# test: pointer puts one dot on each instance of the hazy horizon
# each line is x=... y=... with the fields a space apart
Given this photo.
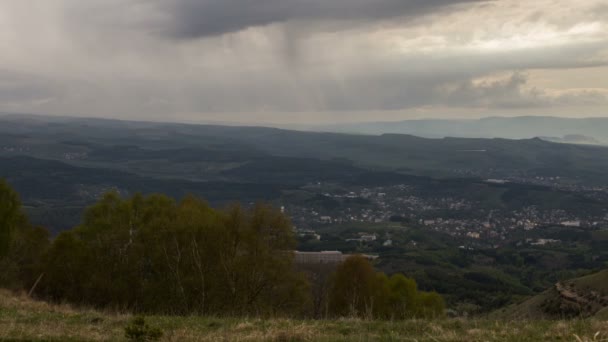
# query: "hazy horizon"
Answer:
x=296 y=125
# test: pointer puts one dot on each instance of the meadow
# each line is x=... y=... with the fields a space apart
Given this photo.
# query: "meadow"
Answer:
x=24 y=319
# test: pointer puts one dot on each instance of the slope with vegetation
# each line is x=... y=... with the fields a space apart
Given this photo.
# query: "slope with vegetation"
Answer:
x=575 y=298
x=473 y=275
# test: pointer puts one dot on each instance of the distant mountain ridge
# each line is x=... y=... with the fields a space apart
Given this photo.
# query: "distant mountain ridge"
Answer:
x=587 y=131
x=523 y=127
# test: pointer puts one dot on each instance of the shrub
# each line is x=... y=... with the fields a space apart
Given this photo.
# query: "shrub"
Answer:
x=138 y=330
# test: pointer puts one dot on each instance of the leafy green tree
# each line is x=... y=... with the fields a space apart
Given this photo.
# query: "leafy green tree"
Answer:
x=256 y=260
x=319 y=277
x=23 y=266
x=21 y=245
x=357 y=290
x=430 y=305
x=152 y=254
x=68 y=269
x=11 y=216
x=403 y=296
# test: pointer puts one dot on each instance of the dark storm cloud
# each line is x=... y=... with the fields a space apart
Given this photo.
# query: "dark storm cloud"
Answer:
x=203 y=18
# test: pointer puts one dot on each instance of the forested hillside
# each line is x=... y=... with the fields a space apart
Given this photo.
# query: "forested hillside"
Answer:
x=216 y=148
x=155 y=255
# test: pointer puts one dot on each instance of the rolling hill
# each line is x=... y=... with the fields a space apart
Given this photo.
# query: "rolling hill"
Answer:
x=204 y=151
x=580 y=297
x=61 y=165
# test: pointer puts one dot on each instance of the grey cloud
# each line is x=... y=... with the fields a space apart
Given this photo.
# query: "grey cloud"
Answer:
x=22 y=88
x=600 y=10
x=203 y=18
x=513 y=93
x=424 y=82
x=582 y=97
x=503 y=93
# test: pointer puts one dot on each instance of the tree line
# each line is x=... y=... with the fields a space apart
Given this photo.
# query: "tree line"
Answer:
x=152 y=254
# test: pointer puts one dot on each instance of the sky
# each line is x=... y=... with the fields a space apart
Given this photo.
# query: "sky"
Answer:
x=303 y=61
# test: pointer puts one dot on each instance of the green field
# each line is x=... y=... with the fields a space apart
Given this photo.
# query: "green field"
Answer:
x=23 y=319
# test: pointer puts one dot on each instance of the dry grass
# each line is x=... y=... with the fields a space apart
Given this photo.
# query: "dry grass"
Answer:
x=23 y=319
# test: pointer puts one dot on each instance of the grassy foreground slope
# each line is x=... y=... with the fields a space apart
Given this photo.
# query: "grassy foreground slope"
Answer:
x=22 y=319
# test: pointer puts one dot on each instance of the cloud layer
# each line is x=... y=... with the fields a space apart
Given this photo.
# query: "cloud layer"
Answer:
x=331 y=59
x=204 y=18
